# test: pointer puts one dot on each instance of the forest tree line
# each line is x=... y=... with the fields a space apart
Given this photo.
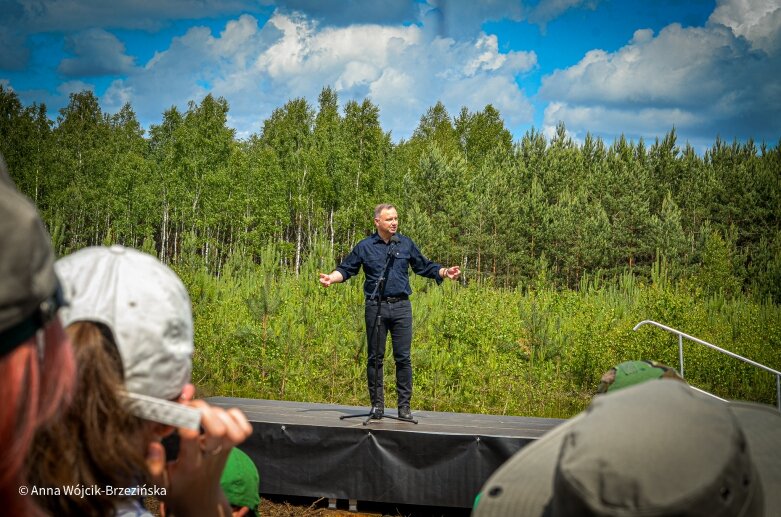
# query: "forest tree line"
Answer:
x=511 y=213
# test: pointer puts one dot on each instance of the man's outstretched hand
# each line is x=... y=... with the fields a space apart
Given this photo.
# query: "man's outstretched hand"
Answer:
x=325 y=280
x=333 y=278
x=453 y=272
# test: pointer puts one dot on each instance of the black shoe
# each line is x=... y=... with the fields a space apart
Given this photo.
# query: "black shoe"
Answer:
x=377 y=412
x=405 y=413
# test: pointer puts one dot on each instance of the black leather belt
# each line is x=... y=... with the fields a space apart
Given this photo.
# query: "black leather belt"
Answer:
x=394 y=299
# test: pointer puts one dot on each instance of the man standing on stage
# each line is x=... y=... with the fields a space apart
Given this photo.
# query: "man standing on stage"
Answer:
x=400 y=253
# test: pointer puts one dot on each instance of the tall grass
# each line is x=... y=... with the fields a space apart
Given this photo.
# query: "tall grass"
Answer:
x=262 y=332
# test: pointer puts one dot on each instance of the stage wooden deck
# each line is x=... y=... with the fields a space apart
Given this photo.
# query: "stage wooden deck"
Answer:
x=304 y=449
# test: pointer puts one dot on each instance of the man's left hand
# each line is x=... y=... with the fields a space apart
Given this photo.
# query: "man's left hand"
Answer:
x=453 y=272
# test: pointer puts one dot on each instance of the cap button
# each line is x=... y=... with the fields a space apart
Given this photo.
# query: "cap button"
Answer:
x=116 y=248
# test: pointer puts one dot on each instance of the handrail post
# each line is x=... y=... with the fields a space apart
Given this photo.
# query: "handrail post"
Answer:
x=778 y=391
x=680 y=353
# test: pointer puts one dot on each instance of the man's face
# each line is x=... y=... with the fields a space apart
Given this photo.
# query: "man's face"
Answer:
x=387 y=223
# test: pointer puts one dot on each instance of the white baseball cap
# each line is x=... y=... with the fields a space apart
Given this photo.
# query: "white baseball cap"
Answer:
x=147 y=309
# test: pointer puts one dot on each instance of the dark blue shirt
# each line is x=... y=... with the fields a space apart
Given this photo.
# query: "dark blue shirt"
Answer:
x=372 y=252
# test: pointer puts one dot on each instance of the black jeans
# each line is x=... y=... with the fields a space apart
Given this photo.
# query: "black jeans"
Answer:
x=396 y=318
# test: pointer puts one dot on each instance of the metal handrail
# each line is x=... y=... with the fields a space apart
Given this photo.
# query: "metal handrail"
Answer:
x=682 y=335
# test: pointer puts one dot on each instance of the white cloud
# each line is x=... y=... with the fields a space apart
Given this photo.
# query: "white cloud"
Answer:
x=257 y=69
x=605 y=120
x=456 y=19
x=356 y=74
x=756 y=20
x=75 y=86
x=489 y=59
x=117 y=95
x=19 y=19
x=702 y=80
x=97 y=53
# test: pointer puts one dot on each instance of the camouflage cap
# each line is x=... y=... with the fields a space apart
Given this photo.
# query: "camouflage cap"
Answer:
x=28 y=285
x=630 y=373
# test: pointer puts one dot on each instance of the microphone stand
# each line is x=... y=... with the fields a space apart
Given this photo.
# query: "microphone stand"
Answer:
x=379 y=291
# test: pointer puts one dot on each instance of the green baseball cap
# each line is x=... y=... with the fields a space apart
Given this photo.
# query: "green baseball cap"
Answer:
x=654 y=449
x=630 y=373
x=240 y=480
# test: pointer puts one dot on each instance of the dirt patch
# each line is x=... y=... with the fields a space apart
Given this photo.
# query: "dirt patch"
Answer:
x=279 y=506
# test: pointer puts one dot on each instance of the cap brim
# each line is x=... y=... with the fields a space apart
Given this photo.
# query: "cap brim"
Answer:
x=163 y=411
x=523 y=485
x=761 y=425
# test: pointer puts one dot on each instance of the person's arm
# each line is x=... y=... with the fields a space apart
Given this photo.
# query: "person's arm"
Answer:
x=430 y=269
x=334 y=277
x=349 y=267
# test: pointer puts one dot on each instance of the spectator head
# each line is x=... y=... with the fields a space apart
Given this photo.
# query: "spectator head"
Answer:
x=658 y=448
x=130 y=323
x=630 y=373
x=146 y=310
x=241 y=483
x=36 y=362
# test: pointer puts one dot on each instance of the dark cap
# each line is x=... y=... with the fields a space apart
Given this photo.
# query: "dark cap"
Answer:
x=27 y=279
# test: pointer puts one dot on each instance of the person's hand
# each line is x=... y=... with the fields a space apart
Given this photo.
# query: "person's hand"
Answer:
x=453 y=272
x=188 y=393
x=325 y=280
x=192 y=481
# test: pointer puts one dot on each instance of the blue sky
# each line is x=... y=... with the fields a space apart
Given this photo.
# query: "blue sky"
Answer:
x=706 y=67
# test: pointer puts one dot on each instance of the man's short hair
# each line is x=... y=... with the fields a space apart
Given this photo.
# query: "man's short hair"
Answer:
x=384 y=206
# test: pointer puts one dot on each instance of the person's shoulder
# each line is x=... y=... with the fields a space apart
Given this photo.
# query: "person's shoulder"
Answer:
x=407 y=241
x=369 y=239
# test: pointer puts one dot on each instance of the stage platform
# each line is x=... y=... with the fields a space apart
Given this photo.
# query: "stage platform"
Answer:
x=304 y=449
